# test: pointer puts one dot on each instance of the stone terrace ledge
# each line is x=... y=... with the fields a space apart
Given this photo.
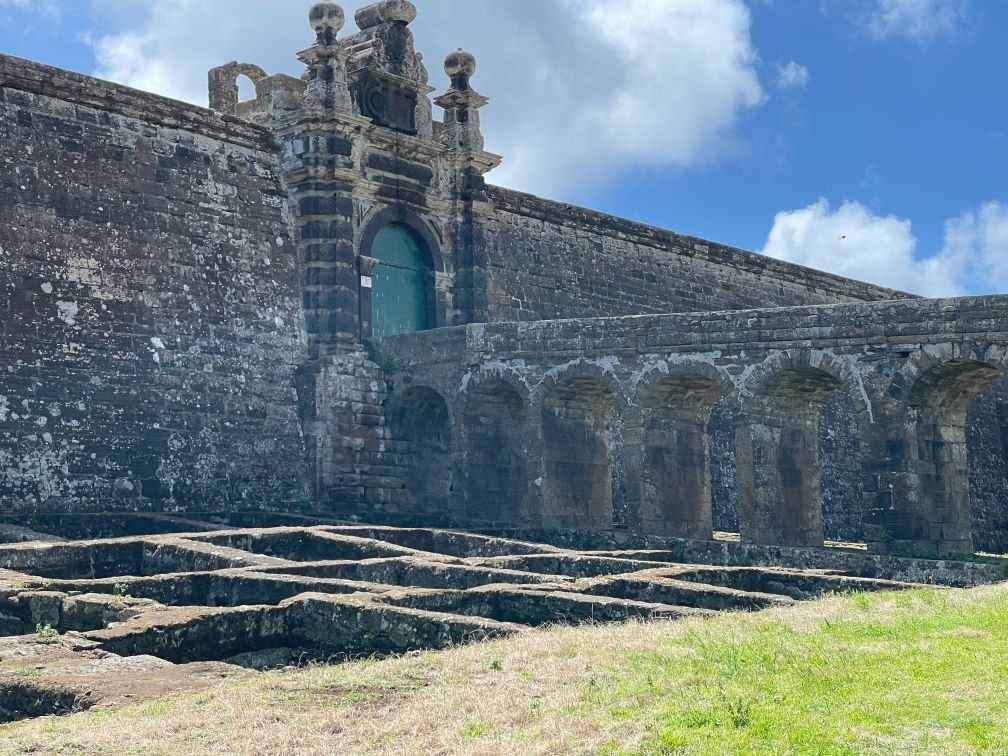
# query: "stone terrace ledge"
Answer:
x=896 y=325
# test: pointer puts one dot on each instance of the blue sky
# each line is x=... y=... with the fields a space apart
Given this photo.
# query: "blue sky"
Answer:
x=868 y=137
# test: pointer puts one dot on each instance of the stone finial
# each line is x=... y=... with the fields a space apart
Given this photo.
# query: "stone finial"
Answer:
x=326 y=19
x=386 y=12
x=460 y=67
x=326 y=77
x=461 y=105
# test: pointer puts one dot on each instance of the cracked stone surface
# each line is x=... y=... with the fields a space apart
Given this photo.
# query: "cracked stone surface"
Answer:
x=142 y=616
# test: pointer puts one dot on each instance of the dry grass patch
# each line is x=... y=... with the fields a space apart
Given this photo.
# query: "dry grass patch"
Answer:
x=917 y=672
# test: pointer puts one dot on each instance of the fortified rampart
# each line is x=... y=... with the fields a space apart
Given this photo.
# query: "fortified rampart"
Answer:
x=313 y=299
x=151 y=311
x=546 y=260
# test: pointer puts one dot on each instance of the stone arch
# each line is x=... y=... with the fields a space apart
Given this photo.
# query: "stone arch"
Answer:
x=778 y=441
x=938 y=389
x=419 y=445
x=681 y=376
x=394 y=284
x=576 y=371
x=668 y=455
x=495 y=438
x=578 y=408
x=223 y=84
x=843 y=372
x=499 y=373
x=380 y=217
x=932 y=356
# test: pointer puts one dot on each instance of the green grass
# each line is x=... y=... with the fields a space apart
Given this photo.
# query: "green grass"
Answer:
x=474 y=730
x=916 y=672
x=930 y=679
x=46 y=633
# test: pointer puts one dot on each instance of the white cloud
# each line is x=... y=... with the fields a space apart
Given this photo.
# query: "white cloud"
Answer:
x=853 y=241
x=792 y=76
x=580 y=89
x=685 y=70
x=47 y=9
x=978 y=241
x=168 y=48
x=916 y=20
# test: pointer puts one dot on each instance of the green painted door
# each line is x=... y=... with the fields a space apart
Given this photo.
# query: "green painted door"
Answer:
x=399 y=293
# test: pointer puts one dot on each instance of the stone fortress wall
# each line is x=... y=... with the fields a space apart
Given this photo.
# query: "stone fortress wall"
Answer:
x=151 y=321
x=196 y=304
x=545 y=260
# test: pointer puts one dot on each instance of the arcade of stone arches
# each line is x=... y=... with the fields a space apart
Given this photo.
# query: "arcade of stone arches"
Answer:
x=804 y=457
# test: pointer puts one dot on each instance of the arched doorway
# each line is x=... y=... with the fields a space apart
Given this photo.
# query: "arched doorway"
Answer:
x=674 y=460
x=400 y=297
x=496 y=470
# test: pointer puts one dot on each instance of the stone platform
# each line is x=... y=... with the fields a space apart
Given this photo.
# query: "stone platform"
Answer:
x=146 y=614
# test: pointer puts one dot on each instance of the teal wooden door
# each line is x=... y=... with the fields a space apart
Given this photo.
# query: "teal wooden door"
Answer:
x=399 y=293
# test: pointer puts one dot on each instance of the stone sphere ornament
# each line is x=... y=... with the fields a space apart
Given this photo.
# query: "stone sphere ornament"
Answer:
x=325 y=17
x=460 y=63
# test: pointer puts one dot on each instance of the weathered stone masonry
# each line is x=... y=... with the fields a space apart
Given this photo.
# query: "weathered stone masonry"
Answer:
x=199 y=306
x=151 y=323
x=611 y=416
x=546 y=260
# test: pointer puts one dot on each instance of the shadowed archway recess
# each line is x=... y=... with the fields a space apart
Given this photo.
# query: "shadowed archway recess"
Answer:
x=420 y=436
x=577 y=443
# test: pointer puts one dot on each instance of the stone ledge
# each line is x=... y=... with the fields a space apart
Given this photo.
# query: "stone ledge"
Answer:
x=38 y=79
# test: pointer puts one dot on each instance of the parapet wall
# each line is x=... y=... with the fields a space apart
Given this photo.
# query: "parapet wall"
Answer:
x=151 y=322
x=546 y=260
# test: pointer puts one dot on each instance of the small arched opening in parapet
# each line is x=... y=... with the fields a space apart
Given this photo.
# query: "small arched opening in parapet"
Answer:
x=673 y=448
x=938 y=407
x=246 y=89
x=578 y=424
x=779 y=450
x=495 y=450
x=234 y=85
x=419 y=448
x=398 y=286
